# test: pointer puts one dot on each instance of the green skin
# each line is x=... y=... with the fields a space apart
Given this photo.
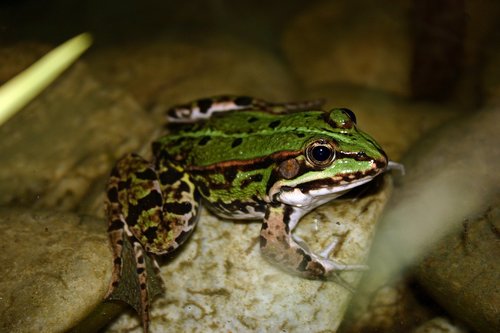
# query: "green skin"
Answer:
x=243 y=158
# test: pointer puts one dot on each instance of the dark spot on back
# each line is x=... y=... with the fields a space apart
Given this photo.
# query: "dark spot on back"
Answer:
x=204 y=141
x=204 y=104
x=252 y=119
x=243 y=101
x=236 y=142
x=274 y=124
x=300 y=135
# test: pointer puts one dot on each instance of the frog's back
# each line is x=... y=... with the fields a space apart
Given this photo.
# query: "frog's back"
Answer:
x=245 y=135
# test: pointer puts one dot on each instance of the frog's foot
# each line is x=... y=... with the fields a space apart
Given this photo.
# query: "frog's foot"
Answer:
x=289 y=252
x=396 y=166
x=204 y=108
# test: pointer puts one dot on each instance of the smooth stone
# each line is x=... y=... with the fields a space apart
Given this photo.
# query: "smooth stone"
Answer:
x=462 y=272
x=55 y=269
x=357 y=42
x=440 y=325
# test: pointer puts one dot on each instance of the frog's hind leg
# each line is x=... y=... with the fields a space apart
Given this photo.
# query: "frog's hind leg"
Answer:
x=279 y=246
x=119 y=209
x=204 y=108
x=116 y=230
x=156 y=208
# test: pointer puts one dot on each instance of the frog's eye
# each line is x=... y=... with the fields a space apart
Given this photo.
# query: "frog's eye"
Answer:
x=350 y=114
x=320 y=153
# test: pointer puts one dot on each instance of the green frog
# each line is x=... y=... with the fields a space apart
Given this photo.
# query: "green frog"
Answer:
x=242 y=158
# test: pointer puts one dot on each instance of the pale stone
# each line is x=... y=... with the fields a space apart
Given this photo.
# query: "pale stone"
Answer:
x=55 y=269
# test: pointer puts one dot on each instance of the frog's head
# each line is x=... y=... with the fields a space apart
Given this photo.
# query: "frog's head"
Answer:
x=335 y=157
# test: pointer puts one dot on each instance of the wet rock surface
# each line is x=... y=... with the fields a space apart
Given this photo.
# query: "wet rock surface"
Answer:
x=462 y=271
x=55 y=269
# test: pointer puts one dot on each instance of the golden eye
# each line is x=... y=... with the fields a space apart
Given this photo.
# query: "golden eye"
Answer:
x=320 y=153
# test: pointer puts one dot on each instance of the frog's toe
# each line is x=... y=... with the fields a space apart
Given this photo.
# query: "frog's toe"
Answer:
x=330 y=248
x=331 y=265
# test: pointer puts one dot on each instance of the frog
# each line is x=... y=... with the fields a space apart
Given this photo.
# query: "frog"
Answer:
x=242 y=158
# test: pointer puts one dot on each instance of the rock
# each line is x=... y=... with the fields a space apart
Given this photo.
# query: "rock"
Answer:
x=162 y=72
x=439 y=325
x=55 y=269
x=461 y=272
x=357 y=42
x=58 y=146
x=219 y=281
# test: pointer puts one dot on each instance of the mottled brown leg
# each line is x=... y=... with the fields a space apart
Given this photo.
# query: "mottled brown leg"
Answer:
x=143 y=277
x=115 y=229
x=278 y=245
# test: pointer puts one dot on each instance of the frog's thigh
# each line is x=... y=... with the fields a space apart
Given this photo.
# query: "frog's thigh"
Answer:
x=180 y=210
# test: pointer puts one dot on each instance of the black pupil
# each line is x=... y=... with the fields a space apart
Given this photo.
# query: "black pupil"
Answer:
x=321 y=153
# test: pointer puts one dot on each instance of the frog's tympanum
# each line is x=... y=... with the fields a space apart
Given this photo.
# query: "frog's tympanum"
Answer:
x=242 y=158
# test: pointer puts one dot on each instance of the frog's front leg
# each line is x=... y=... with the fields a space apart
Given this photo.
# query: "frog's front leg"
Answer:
x=279 y=246
x=156 y=206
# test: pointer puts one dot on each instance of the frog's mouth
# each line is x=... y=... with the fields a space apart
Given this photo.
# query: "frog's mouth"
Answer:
x=316 y=192
x=313 y=196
